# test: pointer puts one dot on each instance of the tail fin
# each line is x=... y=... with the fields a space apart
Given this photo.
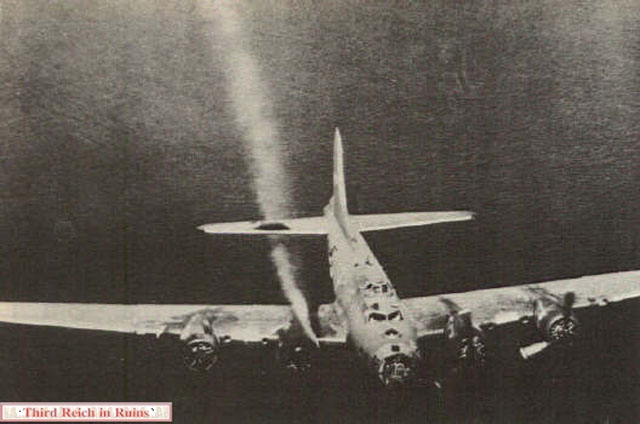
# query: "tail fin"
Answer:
x=339 y=188
x=338 y=203
x=338 y=207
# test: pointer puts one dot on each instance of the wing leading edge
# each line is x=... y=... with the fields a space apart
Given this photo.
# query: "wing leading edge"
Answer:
x=255 y=323
x=506 y=305
x=239 y=322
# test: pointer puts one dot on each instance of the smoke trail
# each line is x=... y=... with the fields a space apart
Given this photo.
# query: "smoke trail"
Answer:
x=254 y=116
x=286 y=273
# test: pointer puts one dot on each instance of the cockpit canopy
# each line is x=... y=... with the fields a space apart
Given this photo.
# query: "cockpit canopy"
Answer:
x=375 y=287
x=378 y=316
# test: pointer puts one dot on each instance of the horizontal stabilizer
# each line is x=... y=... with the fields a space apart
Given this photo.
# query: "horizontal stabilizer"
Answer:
x=317 y=225
x=295 y=226
x=389 y=221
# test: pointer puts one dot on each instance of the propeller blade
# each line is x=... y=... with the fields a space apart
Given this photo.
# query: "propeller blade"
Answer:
x=569 y=300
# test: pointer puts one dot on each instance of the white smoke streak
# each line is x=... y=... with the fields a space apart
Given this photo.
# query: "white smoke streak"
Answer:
x=254 y=116
x=286 y=273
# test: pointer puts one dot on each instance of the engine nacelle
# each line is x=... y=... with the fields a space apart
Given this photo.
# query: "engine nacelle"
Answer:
x=556 y=324
x=295 y=358
x=466 y=341
x=295 y=353
x=201 y=345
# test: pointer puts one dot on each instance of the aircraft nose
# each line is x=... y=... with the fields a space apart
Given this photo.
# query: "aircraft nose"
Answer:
x=395 y=370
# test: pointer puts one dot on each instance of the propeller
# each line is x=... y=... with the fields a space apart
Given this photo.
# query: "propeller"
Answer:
x=295 y=351
x=569 y=300
x=555 y=322
x=201 y=345
x=467 y=341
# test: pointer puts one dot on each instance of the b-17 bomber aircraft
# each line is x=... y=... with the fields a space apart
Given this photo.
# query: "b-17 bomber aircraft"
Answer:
x=394 y=338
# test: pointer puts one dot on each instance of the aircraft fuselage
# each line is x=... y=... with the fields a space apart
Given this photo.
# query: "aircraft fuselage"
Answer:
x=379 y=327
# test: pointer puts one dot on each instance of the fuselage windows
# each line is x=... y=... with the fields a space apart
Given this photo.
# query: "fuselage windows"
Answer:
x=375 y=288
x=392 y=333
x=395 y=316
x=376 y=316
x=380 y=288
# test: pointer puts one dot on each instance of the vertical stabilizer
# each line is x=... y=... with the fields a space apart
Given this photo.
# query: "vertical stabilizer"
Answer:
x=336 y=209
x=339 y=189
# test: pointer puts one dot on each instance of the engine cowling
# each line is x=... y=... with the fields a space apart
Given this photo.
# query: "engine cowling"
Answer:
x=295 y=358
x=295 y=353
x=201 y=344
x=467 y=342
x=556 y=324
x=556 y=321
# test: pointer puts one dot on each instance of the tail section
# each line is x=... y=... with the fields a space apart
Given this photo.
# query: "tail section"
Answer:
x=337 y=207
x=338 y=204
x=389 y=221
x=339 y=198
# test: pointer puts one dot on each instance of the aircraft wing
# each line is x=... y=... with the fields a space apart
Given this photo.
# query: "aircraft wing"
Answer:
x=508 y=305
x=246 y=323
x=232 y=323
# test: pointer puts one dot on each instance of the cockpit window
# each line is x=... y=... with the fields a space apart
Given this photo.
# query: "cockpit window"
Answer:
x=376 y=316
x=380 y=288
x=392 y=333
x=395 y=316
x=375 y=288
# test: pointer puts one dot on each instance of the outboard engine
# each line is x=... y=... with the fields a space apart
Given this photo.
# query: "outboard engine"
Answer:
x=555 y=321
x=201 y=345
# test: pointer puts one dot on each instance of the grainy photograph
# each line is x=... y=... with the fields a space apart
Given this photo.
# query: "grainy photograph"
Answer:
x=321 y=212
